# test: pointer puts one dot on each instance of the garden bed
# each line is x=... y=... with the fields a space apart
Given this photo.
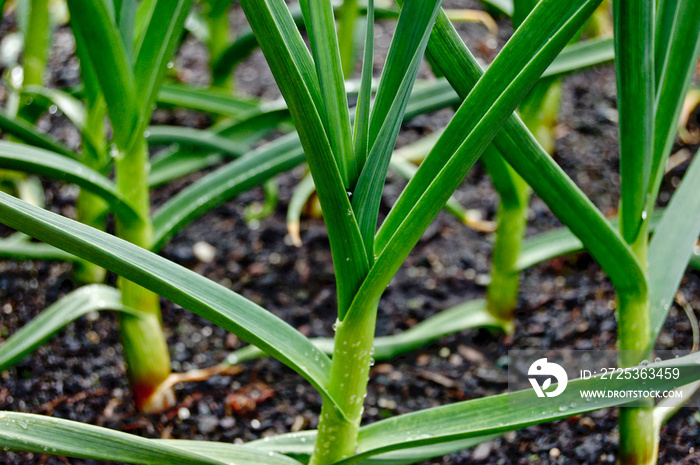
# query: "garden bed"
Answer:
x=565 y=303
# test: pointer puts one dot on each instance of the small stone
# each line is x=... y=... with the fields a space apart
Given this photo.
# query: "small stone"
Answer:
x=204 y=252
x=183 y=413
x=299 y=423
x=482 y=451
x=554 y=452
x=470 y=354
x=207 y=423
x=383 y=402
x=227 y=422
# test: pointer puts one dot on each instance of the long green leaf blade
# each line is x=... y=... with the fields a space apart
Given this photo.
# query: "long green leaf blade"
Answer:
x=467 y=315
x=672 y=246
x=413 y=21
x=288 y=57
x=497 y=94
x=582 y=55
x=41 y=162
x=33 y=136
x=406 y=43
x=676 y=76
x=266 y=161
x=634 y=61
x=24 y=249
x=155 y=49
x=195 y=139
x=46 y=435
x=180 y=285
x=108 y=58
x=361 y=130
x=334 y=112
x=243 y=454
x=64 y=311
x=209 y=100
x=493 y=415
x=300 y=445
x=532 y=162
x=219 y=186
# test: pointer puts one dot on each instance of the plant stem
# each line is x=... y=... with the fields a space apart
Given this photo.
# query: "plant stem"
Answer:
x=346 y=35
x=219 y=36
x=33 y=67
x=35 y=43
x=352 y=358
x=502 y=292
x=91 y=209
x=145 y=349
x=539 y=111
x=639 y=436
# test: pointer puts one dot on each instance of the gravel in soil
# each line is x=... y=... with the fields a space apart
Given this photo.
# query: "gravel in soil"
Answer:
x=566 y=303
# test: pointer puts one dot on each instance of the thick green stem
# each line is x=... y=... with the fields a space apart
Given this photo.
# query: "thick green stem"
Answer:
x=91 y=209
x=639 y=436
x=36 y=41
x=502 y=292
x=352 y=358
x=346 y=35
x=33 y=67
x=145 y=349
x=219 y=37
x=539 y=111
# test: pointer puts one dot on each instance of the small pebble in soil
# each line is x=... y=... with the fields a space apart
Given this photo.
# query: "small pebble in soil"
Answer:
x=183 y=413
x=204 y=252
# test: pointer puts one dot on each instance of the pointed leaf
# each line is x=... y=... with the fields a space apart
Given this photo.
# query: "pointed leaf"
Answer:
x=33 y=136
x=209 y=100
x=334 y=111
x=45 y=435
x=676 y=75
x=496 y=95
x=634 y=62
x=289 y=60
x=539 y=170
x=219 y=186
x=413 y=22
x=57 y=316
x=41 y=162
x=155 y=49
x=194 y=138
x=180 y=285
x=672 y=246
x=108 y=58
x=494 y=415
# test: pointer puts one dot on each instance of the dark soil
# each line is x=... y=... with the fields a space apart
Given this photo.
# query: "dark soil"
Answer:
x=566 y=303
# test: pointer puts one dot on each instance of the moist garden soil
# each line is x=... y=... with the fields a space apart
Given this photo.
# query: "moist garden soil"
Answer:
x=565 y=303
